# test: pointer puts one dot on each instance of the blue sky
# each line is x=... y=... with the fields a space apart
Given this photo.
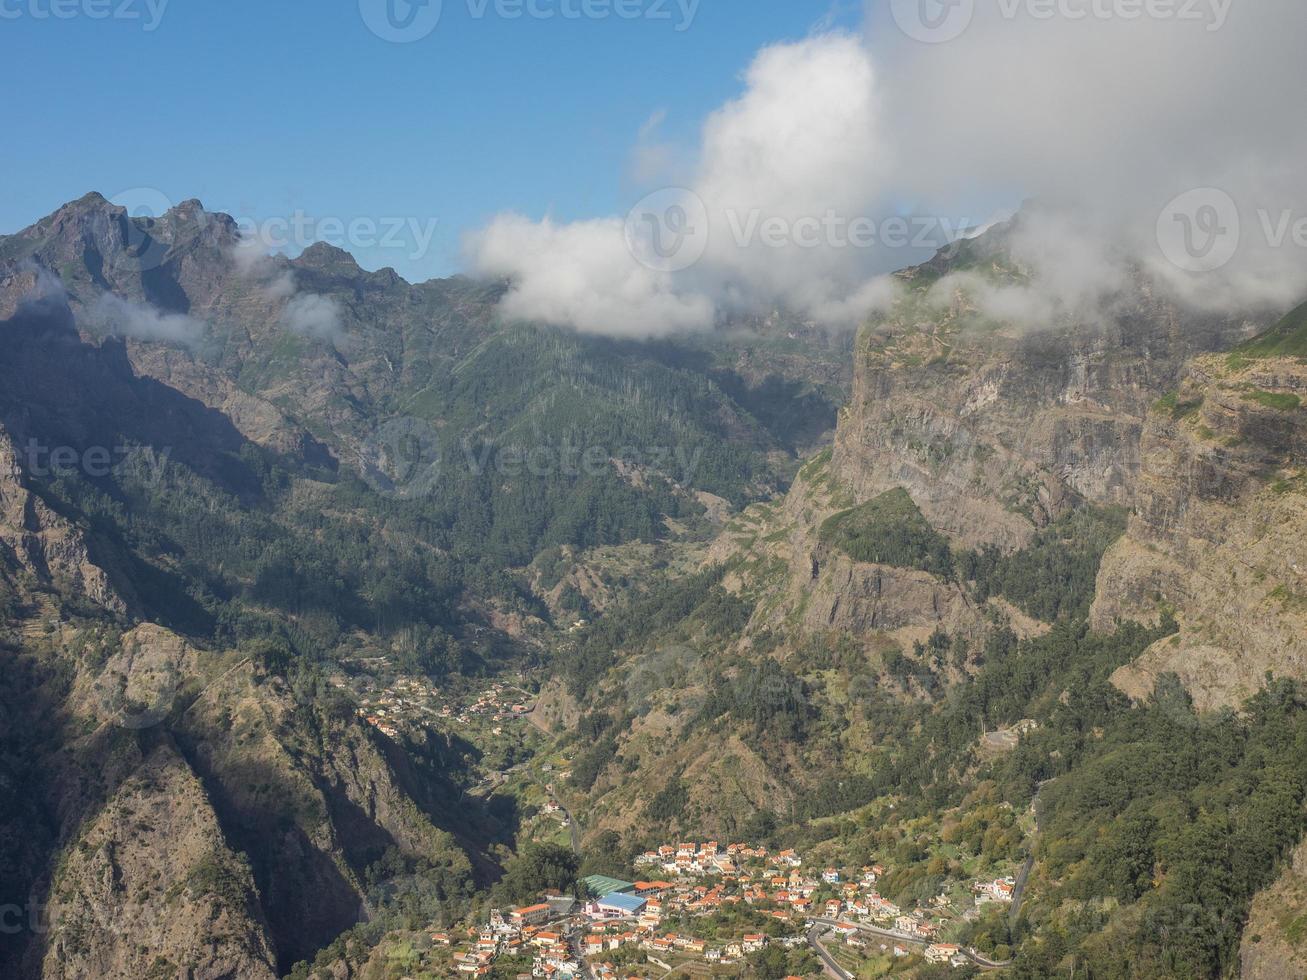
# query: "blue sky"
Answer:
x=263 y=109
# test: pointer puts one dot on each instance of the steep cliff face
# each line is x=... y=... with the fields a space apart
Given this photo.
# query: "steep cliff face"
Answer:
x=150 y=888
x=205 y=817
x=313 y=799
x=36 y=540
x=807 y=587
x=1219 y=533
x=994 y=428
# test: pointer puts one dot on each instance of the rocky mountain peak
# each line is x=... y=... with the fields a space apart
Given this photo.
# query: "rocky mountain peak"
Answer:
x=325 y=257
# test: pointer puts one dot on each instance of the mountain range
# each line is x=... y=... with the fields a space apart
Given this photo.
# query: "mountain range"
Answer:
x=763 y=581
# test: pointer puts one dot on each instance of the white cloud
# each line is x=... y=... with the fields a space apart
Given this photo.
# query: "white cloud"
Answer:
x=280 y=286
x=47 y=289
x=251 y=255
x=124 y=318
x=314 y=316
x=1104 y=120
x=307 y=314
x=797 y=144
x=582 y=275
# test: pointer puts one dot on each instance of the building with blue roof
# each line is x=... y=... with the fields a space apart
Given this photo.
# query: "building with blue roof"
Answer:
x=616 y=906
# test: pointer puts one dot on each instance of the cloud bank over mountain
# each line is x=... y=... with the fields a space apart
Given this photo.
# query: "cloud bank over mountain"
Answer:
x=845 y=157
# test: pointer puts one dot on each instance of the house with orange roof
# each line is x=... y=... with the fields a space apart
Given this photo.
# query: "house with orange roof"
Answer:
x=531 y=915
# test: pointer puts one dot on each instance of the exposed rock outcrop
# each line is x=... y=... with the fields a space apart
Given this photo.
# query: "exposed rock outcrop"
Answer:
x=40 y=542
x=995 y=429
x=1219 y=534
x=152 y=889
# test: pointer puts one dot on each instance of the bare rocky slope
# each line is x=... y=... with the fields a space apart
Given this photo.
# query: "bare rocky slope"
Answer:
x=996 y=428
x=1219 y=532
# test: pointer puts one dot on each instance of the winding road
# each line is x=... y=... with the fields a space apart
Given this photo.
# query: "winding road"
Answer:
x=828 y=962
x=976 y=958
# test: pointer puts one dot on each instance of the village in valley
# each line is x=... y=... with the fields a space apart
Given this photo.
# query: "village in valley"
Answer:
x=699 y=909
x=707 y=908
x=413 y=702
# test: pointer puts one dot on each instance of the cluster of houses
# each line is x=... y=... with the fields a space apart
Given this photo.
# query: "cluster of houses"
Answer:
x=518 y=932
x=565 y=939
x=712 y=859
x=554 y=808
x=497 y=704
x=410 y=700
